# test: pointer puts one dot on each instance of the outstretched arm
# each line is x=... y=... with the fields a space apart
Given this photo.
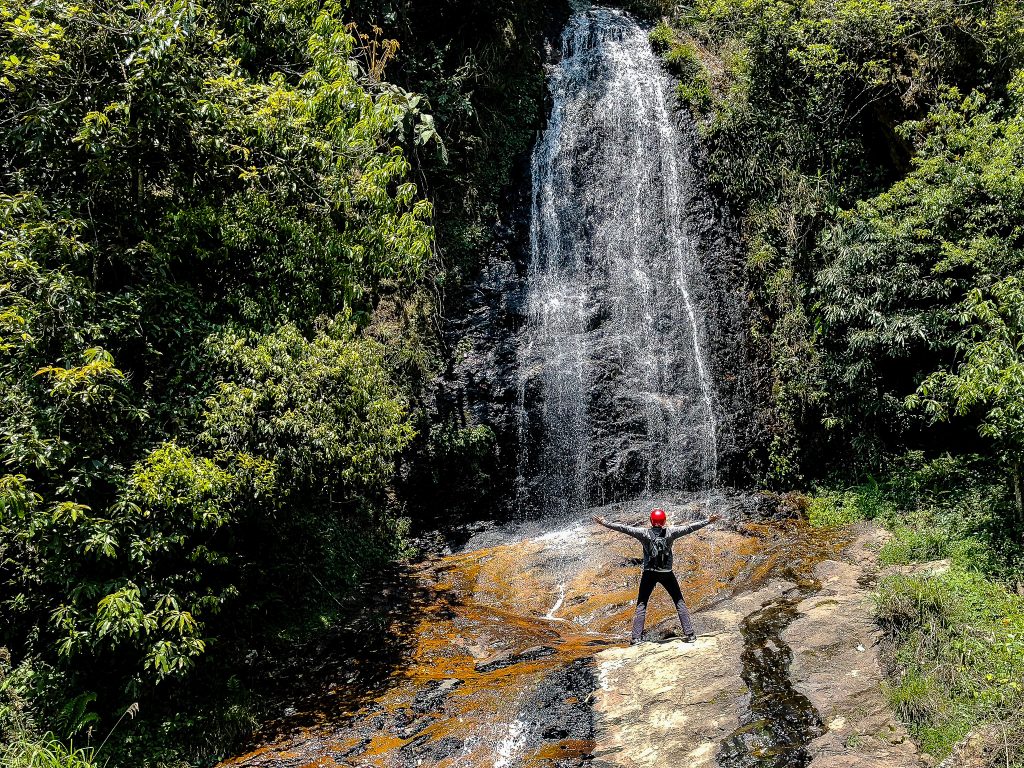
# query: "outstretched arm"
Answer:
x=629 y=530
x=681 y=530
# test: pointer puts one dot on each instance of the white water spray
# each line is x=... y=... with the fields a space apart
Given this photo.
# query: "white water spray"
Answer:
x=616 y=393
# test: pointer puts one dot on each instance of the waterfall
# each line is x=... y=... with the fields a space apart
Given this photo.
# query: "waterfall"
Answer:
x=616 y=395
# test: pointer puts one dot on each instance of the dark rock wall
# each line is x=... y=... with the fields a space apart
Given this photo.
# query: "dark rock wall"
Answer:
x=484 y=336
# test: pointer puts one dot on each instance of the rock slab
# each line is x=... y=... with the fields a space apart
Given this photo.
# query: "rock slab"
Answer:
x=835 y=643
x=673 y=704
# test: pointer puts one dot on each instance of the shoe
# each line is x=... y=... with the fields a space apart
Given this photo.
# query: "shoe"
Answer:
x=635 y=642
x=690 y=638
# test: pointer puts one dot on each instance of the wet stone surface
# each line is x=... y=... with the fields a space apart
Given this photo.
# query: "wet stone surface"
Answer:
x=780 y=722
x=493 y=656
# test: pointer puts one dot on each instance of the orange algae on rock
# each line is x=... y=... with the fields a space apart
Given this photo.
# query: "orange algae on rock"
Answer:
x=496 y=631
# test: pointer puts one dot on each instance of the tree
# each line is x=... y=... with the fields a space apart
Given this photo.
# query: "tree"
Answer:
x=988 y=378
x=191 y=251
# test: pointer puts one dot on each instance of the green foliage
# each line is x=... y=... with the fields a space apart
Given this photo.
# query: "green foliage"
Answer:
x=810 y=112
x=49 y=753
x=959 y=651
x=196 y=229
x=460 y=471
x=683 y=62
x=949 y=507
x=297 y=423
x=990 y=375
x=920 y=539
x=956 y=507
x=650 y=9
x=148 y=607
x=834 y=510
x=15 y=714
x=323 y=413
x=661 y=36
x=479 y=64
x=925 y=274
x=830 y=508
x=21 y=744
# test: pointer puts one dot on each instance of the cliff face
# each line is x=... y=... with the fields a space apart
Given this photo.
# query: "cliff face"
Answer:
x=605 y=338
x=483 y=384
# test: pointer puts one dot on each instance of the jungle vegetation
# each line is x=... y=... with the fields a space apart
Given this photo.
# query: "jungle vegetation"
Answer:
x=221 y=273
x=230 y=233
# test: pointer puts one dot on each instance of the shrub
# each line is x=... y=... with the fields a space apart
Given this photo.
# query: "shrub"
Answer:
x=682 y=61
x=829 y=509
x=662 y=37
x=926 y=541
x=957 y=648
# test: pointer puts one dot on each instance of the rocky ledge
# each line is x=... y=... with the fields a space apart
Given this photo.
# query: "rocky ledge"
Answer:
x=809 y=648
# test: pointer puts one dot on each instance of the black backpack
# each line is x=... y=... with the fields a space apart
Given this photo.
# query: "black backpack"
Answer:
x=661 y=552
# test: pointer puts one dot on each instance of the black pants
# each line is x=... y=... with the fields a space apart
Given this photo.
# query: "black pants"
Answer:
x=668 y=580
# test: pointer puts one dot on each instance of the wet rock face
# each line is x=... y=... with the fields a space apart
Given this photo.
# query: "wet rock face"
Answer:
x=495 y=649
x=780 y=721
x=596 y=297
x=480 y=385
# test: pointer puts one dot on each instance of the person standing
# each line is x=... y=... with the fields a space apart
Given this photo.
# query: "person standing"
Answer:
x=657 y=569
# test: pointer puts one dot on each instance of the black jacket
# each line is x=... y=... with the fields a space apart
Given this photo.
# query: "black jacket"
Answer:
x=657 y=542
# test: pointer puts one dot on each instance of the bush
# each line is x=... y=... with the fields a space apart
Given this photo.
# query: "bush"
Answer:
x=695 y=94
x=177 y=399
x=958 y=656
x=681 y=59
x=952 y=506
x=662 y=36
x=830 y=509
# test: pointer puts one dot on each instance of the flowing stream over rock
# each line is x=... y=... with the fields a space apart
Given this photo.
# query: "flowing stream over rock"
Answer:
x=508 y=651
x=459 y=662
x=616 y=398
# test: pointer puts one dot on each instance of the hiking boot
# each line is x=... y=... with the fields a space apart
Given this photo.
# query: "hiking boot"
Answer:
x=635 y=641
x=690 y=638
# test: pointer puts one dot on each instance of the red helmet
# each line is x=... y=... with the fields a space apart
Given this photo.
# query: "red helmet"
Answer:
x=658 y=517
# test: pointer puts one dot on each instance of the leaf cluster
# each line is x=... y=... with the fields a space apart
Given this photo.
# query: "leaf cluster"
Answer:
x=195 y=422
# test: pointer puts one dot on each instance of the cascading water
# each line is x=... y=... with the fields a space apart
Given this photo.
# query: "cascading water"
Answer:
x=616 y=395
x=486 y=657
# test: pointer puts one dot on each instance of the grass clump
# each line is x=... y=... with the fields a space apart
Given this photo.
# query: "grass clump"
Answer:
x=832 y=510
x=925 y=541
x=22 y=743
x=835 y=508
x=957 y=651
x=47 y=753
